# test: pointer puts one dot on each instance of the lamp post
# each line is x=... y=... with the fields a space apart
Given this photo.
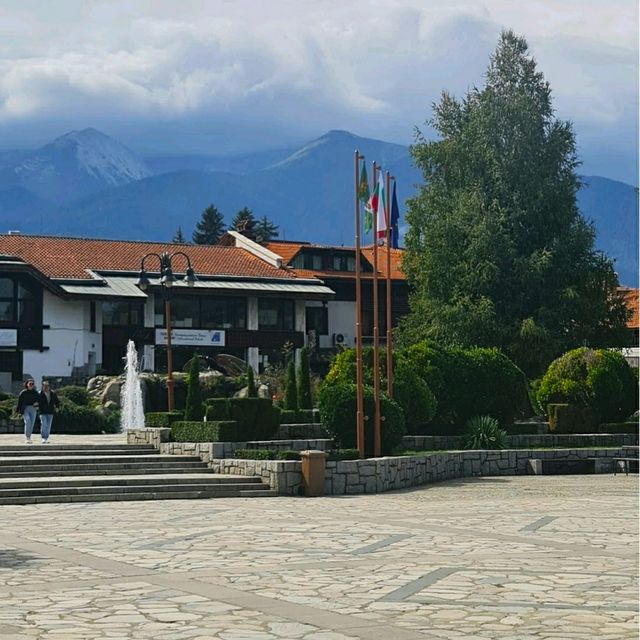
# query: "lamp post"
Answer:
x=167 y=280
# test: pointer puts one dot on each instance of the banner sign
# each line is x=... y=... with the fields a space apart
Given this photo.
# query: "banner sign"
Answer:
x=192 y=337
x=8 y=337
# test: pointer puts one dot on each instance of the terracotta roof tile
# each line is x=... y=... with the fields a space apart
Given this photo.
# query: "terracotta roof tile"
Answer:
x=288 y=251
x=631 y=300
x=71 y=257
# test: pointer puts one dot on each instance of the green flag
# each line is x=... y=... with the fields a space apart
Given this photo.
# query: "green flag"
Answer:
x=364 y=196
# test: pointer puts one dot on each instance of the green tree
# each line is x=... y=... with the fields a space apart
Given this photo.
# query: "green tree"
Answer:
x=179 y=238
x=290 y=388
x=193 y=406
x=210 y=227
x=252 y=392
x=265 y=230
x=497 y=252
x=244 y=222
x=304 y=381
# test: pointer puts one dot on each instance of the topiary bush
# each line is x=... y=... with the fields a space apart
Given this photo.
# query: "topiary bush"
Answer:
x=162 y=418
x=337 y=404
x=77 y=395
x=291 y=389
x=571 y=418
x=252 y=392
x=193 y=405
x=304 y=381
x=257 y=418
x=414 y=396
x=197 y=431
x=483 y=432
x=599 y=379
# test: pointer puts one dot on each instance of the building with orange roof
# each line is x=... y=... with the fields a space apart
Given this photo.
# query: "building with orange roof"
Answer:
x=631 y=299
x=331 y=323
x=68 y=306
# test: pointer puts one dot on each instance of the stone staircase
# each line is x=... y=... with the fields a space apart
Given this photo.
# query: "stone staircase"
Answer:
x=95 y=473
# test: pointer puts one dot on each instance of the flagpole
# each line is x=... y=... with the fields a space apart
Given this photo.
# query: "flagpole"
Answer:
x=389 y=345
x=359 y=381
x=376 y=337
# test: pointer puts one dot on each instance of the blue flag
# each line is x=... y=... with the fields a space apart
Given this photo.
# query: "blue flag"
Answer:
x=395 y=219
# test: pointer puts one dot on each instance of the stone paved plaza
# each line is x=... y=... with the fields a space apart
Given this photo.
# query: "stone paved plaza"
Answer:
x=513 y=558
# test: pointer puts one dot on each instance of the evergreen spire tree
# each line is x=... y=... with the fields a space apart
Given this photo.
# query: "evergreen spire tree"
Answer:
x=304 y=381
x=497 y=252
x=179 y=238
x=265 y=230
x=210 y=227
x=244 y=222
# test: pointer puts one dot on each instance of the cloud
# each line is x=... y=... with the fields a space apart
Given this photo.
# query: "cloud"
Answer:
x=373 y=66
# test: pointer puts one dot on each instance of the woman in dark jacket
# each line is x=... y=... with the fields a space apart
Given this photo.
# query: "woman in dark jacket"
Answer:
x=47 y=404
x=27 y=407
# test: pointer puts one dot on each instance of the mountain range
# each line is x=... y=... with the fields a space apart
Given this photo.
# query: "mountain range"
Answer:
x=88 y=184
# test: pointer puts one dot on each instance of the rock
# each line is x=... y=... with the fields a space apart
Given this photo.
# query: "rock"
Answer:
x=263 y=391
x=109 y=405
x=111 y=392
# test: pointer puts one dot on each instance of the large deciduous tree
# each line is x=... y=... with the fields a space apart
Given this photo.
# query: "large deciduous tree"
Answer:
x=497 y=252
x=210 y=227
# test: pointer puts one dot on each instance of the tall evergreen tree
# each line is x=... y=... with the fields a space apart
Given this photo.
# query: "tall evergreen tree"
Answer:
x=304 y=381
x=497 y=252
x=265 y=230
x=291 y=388
x=193 y=407
x=210 y=227
x=179 y=238
x=244 y=222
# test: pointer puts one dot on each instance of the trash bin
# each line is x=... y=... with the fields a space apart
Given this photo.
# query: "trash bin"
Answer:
x=313 y=463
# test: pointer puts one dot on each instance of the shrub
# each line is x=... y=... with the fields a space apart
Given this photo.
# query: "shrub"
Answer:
x=5 y=396
x=469 y=382
x=7 y=408
x=525 y=429
x=291 y=390
x=343 y=454
x=77 y=395
x=73 y=418
x=570 y=418
x=257 y=418
x=301 y=416
x=598 y=379
x=484 y=432
x=162 y=418
x=414 y=396
x=196 y=431
x=266 y=454
x=193 y=406
x=337 y=403
x=252 y=392
x=304 y=381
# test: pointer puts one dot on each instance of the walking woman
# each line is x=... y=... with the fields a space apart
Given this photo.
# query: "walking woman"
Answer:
x=47 y=404
x=27 y=407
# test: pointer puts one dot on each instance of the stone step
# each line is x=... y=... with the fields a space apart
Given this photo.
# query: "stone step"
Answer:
x=101 y=469
x=38 y=446
x=26 y=492
x=114 y=480
x=38 y=461
x=151 y=495
x=53 y=451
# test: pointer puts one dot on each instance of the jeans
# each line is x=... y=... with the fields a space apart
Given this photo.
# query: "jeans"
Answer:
x=29 y=417
x=45 y=425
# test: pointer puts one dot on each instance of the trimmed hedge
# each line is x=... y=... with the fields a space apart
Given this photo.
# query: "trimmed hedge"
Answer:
x=301 y=416
x=414 y=396
x=257 y=418
x=162 y=418
x=266 y=454
x=214 y=431
x=343 y=454
x=522 y=429
x=618 y=427
x=569 y=418
x=598 y=379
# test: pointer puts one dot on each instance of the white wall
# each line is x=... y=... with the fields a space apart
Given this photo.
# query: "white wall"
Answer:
x=68 y=338
x=342 y=319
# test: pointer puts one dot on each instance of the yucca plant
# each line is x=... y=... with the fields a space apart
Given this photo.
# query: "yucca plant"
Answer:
x=484 y=432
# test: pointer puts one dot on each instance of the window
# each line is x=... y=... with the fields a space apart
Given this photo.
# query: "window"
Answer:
x=275 y=314
x=318 y=320
x=19 y=302
x=92 y=316
x=122 y=314
x=203 y=312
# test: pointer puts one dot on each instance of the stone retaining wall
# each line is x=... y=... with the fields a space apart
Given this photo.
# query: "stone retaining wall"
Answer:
x=446 y=443
x=11 y=426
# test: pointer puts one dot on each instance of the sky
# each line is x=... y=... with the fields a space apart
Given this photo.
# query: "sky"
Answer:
x=230 y=76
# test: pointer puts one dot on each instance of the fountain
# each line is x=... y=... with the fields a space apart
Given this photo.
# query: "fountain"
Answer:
x=132 y=411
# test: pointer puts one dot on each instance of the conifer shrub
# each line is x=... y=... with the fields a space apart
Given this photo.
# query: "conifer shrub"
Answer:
x=210 y=431
x=252 y=392
x=304 y=381
x=291 y=390
x=193 y=405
